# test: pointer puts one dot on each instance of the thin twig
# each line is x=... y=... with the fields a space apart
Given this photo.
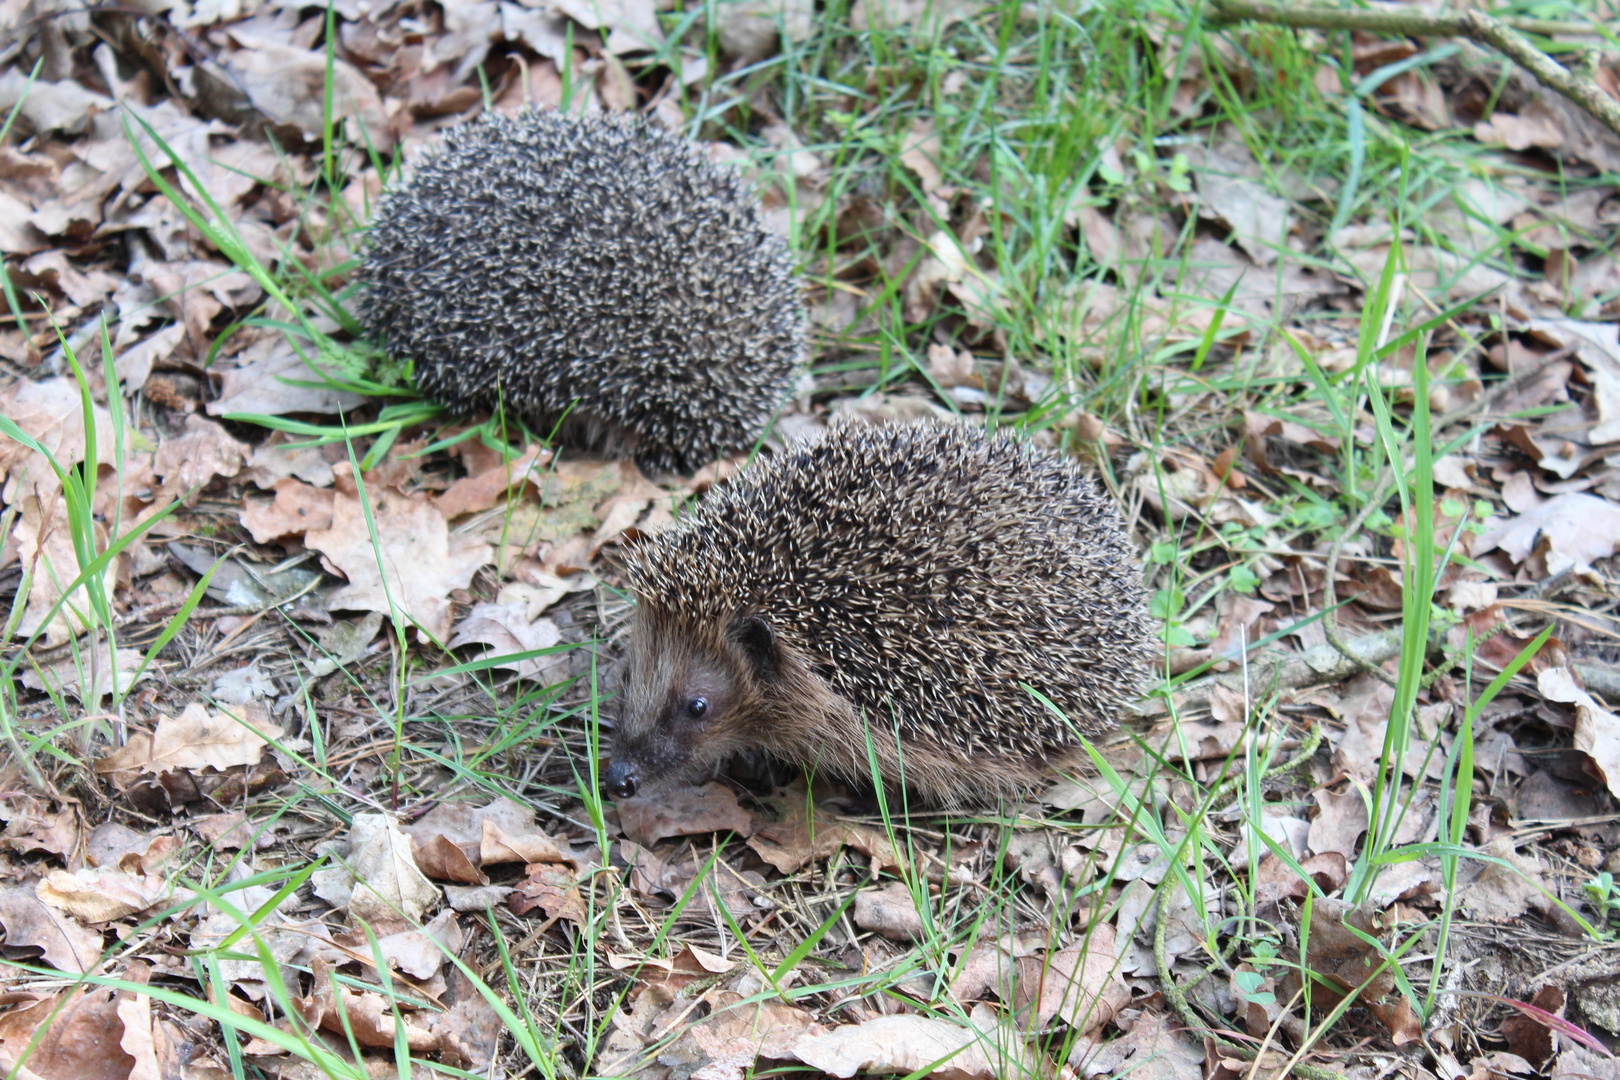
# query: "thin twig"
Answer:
x=1504 y=35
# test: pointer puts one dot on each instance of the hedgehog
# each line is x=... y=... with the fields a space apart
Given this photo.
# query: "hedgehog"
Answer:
x=892 y=589
x=589 y=272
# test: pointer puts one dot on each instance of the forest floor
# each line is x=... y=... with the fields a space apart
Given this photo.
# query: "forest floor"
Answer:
x=1334 y=315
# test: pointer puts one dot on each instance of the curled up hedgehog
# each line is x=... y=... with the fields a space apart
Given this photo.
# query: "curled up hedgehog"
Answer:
x=888 y=587
x=589 y=268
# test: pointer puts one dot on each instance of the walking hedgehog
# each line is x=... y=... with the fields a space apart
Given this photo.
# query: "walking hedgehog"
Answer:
x=891 y=588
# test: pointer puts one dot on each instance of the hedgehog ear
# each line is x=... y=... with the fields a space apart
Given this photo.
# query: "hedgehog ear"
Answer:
x=758 y=643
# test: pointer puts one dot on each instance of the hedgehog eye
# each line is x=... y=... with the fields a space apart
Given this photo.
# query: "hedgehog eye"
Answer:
x=697 y=707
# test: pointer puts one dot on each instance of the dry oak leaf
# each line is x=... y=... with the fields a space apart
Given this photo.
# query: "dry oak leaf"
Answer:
x=380 y=878
x=467 y=826
x=50 y=411
x=289 y=86
x=530 y=845
x=368 y=1017
x=1150 y=1050
x=914 y=1044
x=736 y=1035
x=418 y=952
x=1079 y=985
x=683 y=811
x=80 y=1040
x=554 y=891
x=101 y=896
x=792 y=842
x=471 y=494
x=188 y=463
x=274 y=460
x=508 y=632
x=29 y=922
x=891 y=911
x=30 y=826
x=423 y=561
x=1259 y=220
x=269 y=377
x=197 y=739
x=1576 y=528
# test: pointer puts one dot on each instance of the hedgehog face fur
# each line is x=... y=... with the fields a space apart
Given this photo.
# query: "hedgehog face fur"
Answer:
x=593 y=267
x=891 y=588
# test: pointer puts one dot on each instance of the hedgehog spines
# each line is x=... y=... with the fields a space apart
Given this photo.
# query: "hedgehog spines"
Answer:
x=594 y=267
x=921 y=575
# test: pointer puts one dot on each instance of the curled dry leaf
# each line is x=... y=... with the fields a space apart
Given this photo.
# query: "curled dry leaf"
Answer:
x=196 y=740
x=507 y=630
x=101 y=896
x=1079 y=985
x=188 y=463
x=1576 y=529
x=554 y=891
x=51 y=412
x=366 y=1017
x=890 y=911
x=1597 y=730
x=46 y=549
x=31 y=923
x=471 y=494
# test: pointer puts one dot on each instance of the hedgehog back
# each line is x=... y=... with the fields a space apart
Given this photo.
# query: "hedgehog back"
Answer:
x=926 y=571
x=544 y=261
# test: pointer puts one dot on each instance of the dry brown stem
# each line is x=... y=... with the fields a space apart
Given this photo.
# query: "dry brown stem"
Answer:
x=1504 y=35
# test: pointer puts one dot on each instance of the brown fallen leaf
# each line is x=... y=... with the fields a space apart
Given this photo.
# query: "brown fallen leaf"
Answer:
x=267 y=376
x=379 y=878
x=1228 y=183
x=81 y=1041
x=421 y=561
x=890 y=911
x=31 y=923
x=1150 y=1050
x=471 y=494
x=188 y=463
x=31 y=825
x=297 y=508
x=507 y=630
x=1079 y=985
x=49 y=411
x=367 y=1017
x=196 y=740
x=47 y=549
x=1597 y=729
x=554 y=891
x=101 y=896
x=1576 y=529
x=916 y=1045
x=683 y=811
x=1504 y=893
x=289 y=86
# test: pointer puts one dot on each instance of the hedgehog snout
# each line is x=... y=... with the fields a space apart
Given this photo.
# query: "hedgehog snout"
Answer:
x=622 y=778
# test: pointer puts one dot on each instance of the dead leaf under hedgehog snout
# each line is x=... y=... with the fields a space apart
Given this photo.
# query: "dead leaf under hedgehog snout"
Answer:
x=885 y=591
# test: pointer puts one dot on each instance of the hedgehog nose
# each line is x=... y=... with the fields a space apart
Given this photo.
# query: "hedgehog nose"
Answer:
x=620 y=779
